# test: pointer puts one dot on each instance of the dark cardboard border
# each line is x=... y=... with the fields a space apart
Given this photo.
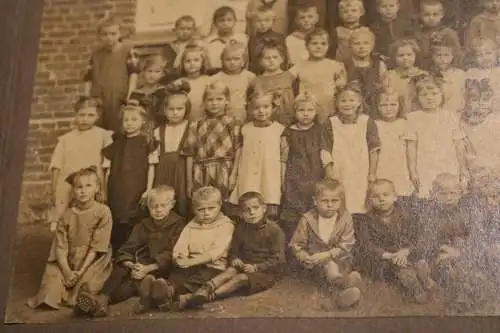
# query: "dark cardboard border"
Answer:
x=20 y=21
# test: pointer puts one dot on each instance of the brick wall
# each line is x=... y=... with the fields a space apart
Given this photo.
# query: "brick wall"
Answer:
x=67 y=38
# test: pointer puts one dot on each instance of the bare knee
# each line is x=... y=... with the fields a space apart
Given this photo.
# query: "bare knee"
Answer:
x=240 y=278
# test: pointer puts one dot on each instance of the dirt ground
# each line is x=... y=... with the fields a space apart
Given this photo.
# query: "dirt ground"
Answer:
x=290 y=298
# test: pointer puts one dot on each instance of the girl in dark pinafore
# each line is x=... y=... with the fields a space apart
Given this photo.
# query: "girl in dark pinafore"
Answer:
x=171 y=169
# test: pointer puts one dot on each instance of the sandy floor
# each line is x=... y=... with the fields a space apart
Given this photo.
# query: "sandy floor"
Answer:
x=290 y=298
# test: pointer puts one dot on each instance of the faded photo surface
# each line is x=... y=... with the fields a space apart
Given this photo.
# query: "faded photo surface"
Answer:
x=261 y=158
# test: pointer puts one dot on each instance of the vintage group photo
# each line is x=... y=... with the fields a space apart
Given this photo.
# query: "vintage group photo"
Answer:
x=261 y=158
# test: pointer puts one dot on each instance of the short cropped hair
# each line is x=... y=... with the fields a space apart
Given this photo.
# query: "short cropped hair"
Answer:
x=249 y=196
x=161 y=190
x=380 y=182
x=207 y=193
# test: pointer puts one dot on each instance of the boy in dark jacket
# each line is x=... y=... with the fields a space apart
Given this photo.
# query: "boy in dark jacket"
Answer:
x=146 y=254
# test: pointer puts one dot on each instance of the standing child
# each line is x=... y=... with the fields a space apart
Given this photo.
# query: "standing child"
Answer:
x=431 y=15
x=185 y=31
x=193 y=69
x=280 y=7
x=323 y=243
x=256 y=255
x=305 y=159
x=398 y=158
x=235 y=75
x=147 y=253
x=441 y=145
x=356 y=147
x=319 y=75
x=306 y=19
x=263 y=20
x=388 y=239
x=485 y=24
x=404 y=52
x=277 y=79
x=172 y=134
x=212 y=144
x=199 y=255
x=258 y=163
x=129 y=172
x=446 y=57
x=350 y=14
x=151 y=94
x=80 y=256
x=112 y=74
x=75 y=150
x=365 y=66
x=223 y=33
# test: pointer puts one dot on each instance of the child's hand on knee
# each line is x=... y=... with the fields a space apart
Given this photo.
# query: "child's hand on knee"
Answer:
x=247 y=268
x=321 y=258
x=70 y=279
x=237 y=263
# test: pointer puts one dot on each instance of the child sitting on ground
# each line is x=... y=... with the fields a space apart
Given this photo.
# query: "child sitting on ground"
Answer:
x=256 y=256
x=199 y=255
x=145 y=255
x=323 y=241
x=388 y=237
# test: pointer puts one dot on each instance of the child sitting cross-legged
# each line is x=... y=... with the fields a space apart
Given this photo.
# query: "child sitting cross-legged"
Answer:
x=256 y=256
x=323 y=242
x=145 y=255
x=388 y=238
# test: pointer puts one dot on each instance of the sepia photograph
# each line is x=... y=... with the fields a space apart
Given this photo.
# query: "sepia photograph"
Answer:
x=261 y=158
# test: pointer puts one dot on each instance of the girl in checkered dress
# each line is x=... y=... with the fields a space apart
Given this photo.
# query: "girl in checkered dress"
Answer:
x=212 y=144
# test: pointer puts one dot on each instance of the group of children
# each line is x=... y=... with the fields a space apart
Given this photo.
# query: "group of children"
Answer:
x=367 y=142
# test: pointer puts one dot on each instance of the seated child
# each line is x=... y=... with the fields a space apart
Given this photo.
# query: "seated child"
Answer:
x=350 y=14
x=199 y=255
x=145 y=255
x=387 y=239
x=185 y=30
x=449 y=243
x=256 y=255
x=80 y=256
x=485 y=24
x=306 y=19
x=263 y=20
x=431 y=15
x=323 y=241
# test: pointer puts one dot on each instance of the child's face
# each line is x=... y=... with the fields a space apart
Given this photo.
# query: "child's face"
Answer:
x=216 y=103
x=388 y=106
x=86 y=118
x=207 y=211
x=348 y=103
x=447 y=194
x=234 y=61
x=388 y=9
x=430 y=97
x=160 y=206
x=318 y=46
x=264 y=22
x=405 y=57
x=85 y=188
x=193 y=62
x=132 y=122
x=362 y=45
x=225 y=24
x=351 y=13
x=431 y=15
x=253 y=211
x=492 y=6
x=442 y=57
x=486 y=57
x=272 y=60
x=328 y=203
x=307 y=19
x=262 y=109
x=153 y=74
x=185 y=30
x=175 y=110
x=305 y=113
x=382 y=197
x=110 y=35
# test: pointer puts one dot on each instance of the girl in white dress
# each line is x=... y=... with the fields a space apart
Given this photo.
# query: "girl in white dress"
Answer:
x=258 y=165
x=356 y=146
x=398 y=158
x=320 y=75
x=75 y=150
x=441 y=144
x=237 y=78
